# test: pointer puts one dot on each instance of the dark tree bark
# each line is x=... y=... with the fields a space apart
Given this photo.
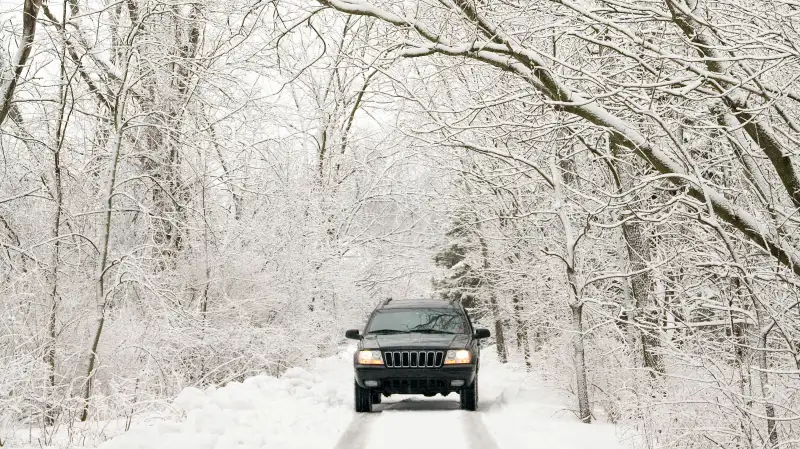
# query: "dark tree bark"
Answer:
x=30 y=13
x=499 y=333
x=522 y=330
x=645 y=310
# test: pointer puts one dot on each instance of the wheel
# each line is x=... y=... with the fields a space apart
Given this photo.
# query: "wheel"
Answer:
x=376 y=397
x=469 y=397
x=363 y=399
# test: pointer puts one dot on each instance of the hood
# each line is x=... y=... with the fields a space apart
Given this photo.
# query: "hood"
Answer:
x=415 y=341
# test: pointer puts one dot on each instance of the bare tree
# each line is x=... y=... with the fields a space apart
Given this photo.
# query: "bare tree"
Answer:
x=30 y=13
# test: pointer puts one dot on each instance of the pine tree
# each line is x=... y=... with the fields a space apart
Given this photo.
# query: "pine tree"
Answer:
x=459 y=257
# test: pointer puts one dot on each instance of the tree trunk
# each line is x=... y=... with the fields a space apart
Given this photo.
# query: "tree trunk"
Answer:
x=50 y=352
x=639 y=255
x=573 y=289
x=522 y=330
x=644 y=309
x=499 y=335
x=579 y=361
x=743 y=355
x=164 y=142
x=207 y=281
x=238 y=203
x=102 y=270
x=30 y=12
x=630 y=333
x=766 y=388
x=53 y=300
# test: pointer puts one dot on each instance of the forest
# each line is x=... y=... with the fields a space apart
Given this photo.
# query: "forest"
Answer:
x=195 y=192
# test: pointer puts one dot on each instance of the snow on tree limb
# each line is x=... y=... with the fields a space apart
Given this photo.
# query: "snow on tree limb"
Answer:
x=762 y=90
x=30 y=13
x=525 y=63
x=707 y=45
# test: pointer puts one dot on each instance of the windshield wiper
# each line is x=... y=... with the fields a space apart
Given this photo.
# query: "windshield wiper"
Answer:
x=432 y=331
x=387 y=331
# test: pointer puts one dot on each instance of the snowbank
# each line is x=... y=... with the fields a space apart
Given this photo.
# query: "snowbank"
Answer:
x=300 y=409
x=521 y=410
x=304 y=408
x=311 y=408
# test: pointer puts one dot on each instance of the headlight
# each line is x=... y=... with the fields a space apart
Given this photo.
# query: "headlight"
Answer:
x=370 y=358
x=455 y=357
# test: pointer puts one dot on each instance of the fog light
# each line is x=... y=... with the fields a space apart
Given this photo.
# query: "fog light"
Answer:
x=457 y=383
x=374 y=383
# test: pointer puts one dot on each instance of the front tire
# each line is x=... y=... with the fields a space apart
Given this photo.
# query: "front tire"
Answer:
x=363 y=399
x=469 y=397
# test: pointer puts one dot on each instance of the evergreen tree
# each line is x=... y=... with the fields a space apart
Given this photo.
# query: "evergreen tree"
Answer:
x=460 y=257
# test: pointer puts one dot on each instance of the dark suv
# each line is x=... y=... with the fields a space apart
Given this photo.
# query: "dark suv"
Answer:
x=417 y=347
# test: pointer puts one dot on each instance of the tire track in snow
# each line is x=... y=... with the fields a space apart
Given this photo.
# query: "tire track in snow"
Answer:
x=479 y=434
x=358 y=434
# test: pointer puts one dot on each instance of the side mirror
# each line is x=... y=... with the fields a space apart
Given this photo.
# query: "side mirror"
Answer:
x=482 y=333
x=353 y=334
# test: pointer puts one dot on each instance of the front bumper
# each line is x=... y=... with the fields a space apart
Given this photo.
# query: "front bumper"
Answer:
x=415 y=380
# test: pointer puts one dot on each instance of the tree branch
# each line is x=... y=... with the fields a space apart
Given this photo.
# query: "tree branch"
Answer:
x=30 y=12
x=528 y=66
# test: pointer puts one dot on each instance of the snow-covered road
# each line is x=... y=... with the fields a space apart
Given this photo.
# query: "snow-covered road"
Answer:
x=517 y=410
x=312 y=408
x=417 y=422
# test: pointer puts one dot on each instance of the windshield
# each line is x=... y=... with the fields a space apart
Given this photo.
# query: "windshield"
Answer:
x=440 y=321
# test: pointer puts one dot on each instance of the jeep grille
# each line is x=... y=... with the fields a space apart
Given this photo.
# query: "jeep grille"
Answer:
x=413 y=359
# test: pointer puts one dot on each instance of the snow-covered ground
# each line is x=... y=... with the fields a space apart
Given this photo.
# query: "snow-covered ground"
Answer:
x=313 y=408
x=522 y=411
